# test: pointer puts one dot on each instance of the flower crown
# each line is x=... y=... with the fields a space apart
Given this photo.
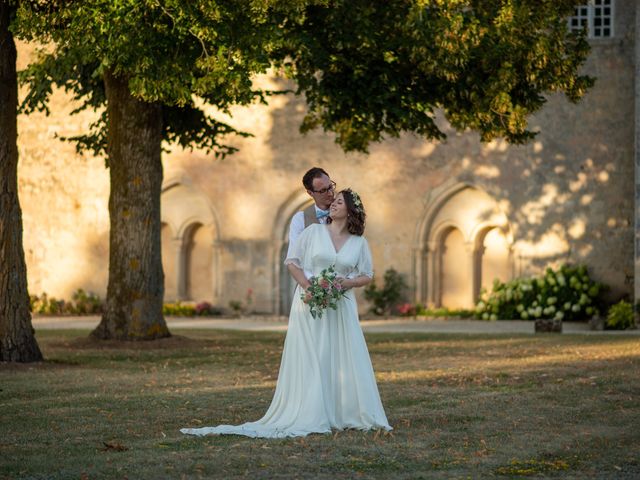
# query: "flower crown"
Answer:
x=357 y=203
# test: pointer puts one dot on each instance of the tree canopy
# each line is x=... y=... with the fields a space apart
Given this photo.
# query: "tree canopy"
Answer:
x=368 y=70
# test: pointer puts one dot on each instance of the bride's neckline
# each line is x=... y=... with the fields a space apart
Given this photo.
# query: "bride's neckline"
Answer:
x=336 y=249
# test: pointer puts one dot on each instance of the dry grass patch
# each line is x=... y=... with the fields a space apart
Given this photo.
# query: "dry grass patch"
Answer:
x=461 y=406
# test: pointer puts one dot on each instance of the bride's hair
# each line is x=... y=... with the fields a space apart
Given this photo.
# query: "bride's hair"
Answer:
x=355 y=212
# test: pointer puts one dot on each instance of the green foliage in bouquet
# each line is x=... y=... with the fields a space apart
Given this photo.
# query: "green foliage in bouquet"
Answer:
x=563 y=294
x=383 y=299
x=324 y=292
x=620 y=316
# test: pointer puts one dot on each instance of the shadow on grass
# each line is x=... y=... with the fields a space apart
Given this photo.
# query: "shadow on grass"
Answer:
x=461 y=406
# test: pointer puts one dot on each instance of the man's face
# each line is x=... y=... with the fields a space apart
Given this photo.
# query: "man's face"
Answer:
x=323 y=191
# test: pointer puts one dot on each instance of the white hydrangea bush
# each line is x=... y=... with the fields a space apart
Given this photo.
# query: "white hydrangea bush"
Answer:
x=563 y=294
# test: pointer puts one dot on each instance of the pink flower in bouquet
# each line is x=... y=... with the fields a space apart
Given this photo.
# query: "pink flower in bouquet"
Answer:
x=323 y=292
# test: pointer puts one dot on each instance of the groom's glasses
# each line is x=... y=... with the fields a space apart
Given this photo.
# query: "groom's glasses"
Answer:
x=322 y=191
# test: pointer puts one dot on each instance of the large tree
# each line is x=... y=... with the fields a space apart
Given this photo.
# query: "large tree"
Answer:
x=367 y=70
x=141 y=63
x=17 y=339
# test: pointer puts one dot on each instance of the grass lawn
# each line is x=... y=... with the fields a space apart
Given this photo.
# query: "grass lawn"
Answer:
x=461 y=406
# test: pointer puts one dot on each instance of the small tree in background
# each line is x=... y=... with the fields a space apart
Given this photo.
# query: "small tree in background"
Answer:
x=385 y=298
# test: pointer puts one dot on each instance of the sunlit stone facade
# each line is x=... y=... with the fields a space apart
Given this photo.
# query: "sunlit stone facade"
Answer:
x=450 y=216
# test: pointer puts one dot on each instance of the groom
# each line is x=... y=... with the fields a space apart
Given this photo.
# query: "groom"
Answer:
x=319 y=187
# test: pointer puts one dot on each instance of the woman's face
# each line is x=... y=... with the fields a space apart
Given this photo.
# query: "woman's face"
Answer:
x=338 y=208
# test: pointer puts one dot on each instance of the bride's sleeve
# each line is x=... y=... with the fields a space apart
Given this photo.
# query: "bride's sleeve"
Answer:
x=297 y=252
x=365 y=263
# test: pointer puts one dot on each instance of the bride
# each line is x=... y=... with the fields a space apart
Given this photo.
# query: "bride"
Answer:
x=326 y=380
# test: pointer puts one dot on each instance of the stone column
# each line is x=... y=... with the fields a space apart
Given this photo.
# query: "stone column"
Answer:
x=419 y=274
x=476 y=268
x=472 y=257
x=215 y=274
x=433 y=269
x=181 y=267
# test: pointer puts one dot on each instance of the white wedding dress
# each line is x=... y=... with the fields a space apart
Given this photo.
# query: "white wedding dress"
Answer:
x=326 y=380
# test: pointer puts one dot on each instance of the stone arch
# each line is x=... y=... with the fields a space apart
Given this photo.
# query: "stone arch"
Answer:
x=453 y=290
x=188 y=212
x=283 y=284
x=199 y=274
x=469 y=210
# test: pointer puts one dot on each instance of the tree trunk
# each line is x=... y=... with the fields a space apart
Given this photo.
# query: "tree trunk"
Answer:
x=17 y=339
x=133 y=309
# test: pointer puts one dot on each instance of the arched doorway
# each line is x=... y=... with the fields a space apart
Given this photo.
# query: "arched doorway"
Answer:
x=198 y=253
x=463 y=242
x=455 y=287
x=283 y=283
x=190 y=248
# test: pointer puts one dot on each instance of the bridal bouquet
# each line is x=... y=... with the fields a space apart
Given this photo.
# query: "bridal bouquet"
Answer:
x=324 y=292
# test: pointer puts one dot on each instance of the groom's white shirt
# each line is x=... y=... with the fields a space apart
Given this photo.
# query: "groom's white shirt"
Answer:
x=297 y=226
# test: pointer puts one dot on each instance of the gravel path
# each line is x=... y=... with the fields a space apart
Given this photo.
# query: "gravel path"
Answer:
x=258 y=323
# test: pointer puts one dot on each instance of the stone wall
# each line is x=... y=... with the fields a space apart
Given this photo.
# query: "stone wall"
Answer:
x=567 y=195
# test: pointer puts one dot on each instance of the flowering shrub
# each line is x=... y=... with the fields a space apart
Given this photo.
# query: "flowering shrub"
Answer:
x=412 y=310
x=46 y=305
x=205 y=308
x=324 y=292
x=385 y=297
x=445 y=312
x=81 y=303
x=620 y=316
x=179 y=309
x=563 y=294
x=407 y=309
x=86 y=303
x=239 y=308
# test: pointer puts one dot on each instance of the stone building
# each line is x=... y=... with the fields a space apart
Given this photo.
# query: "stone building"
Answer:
x=451 y=216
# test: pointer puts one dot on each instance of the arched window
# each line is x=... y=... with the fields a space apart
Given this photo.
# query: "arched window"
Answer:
x=283 y=283
x=455 y=284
